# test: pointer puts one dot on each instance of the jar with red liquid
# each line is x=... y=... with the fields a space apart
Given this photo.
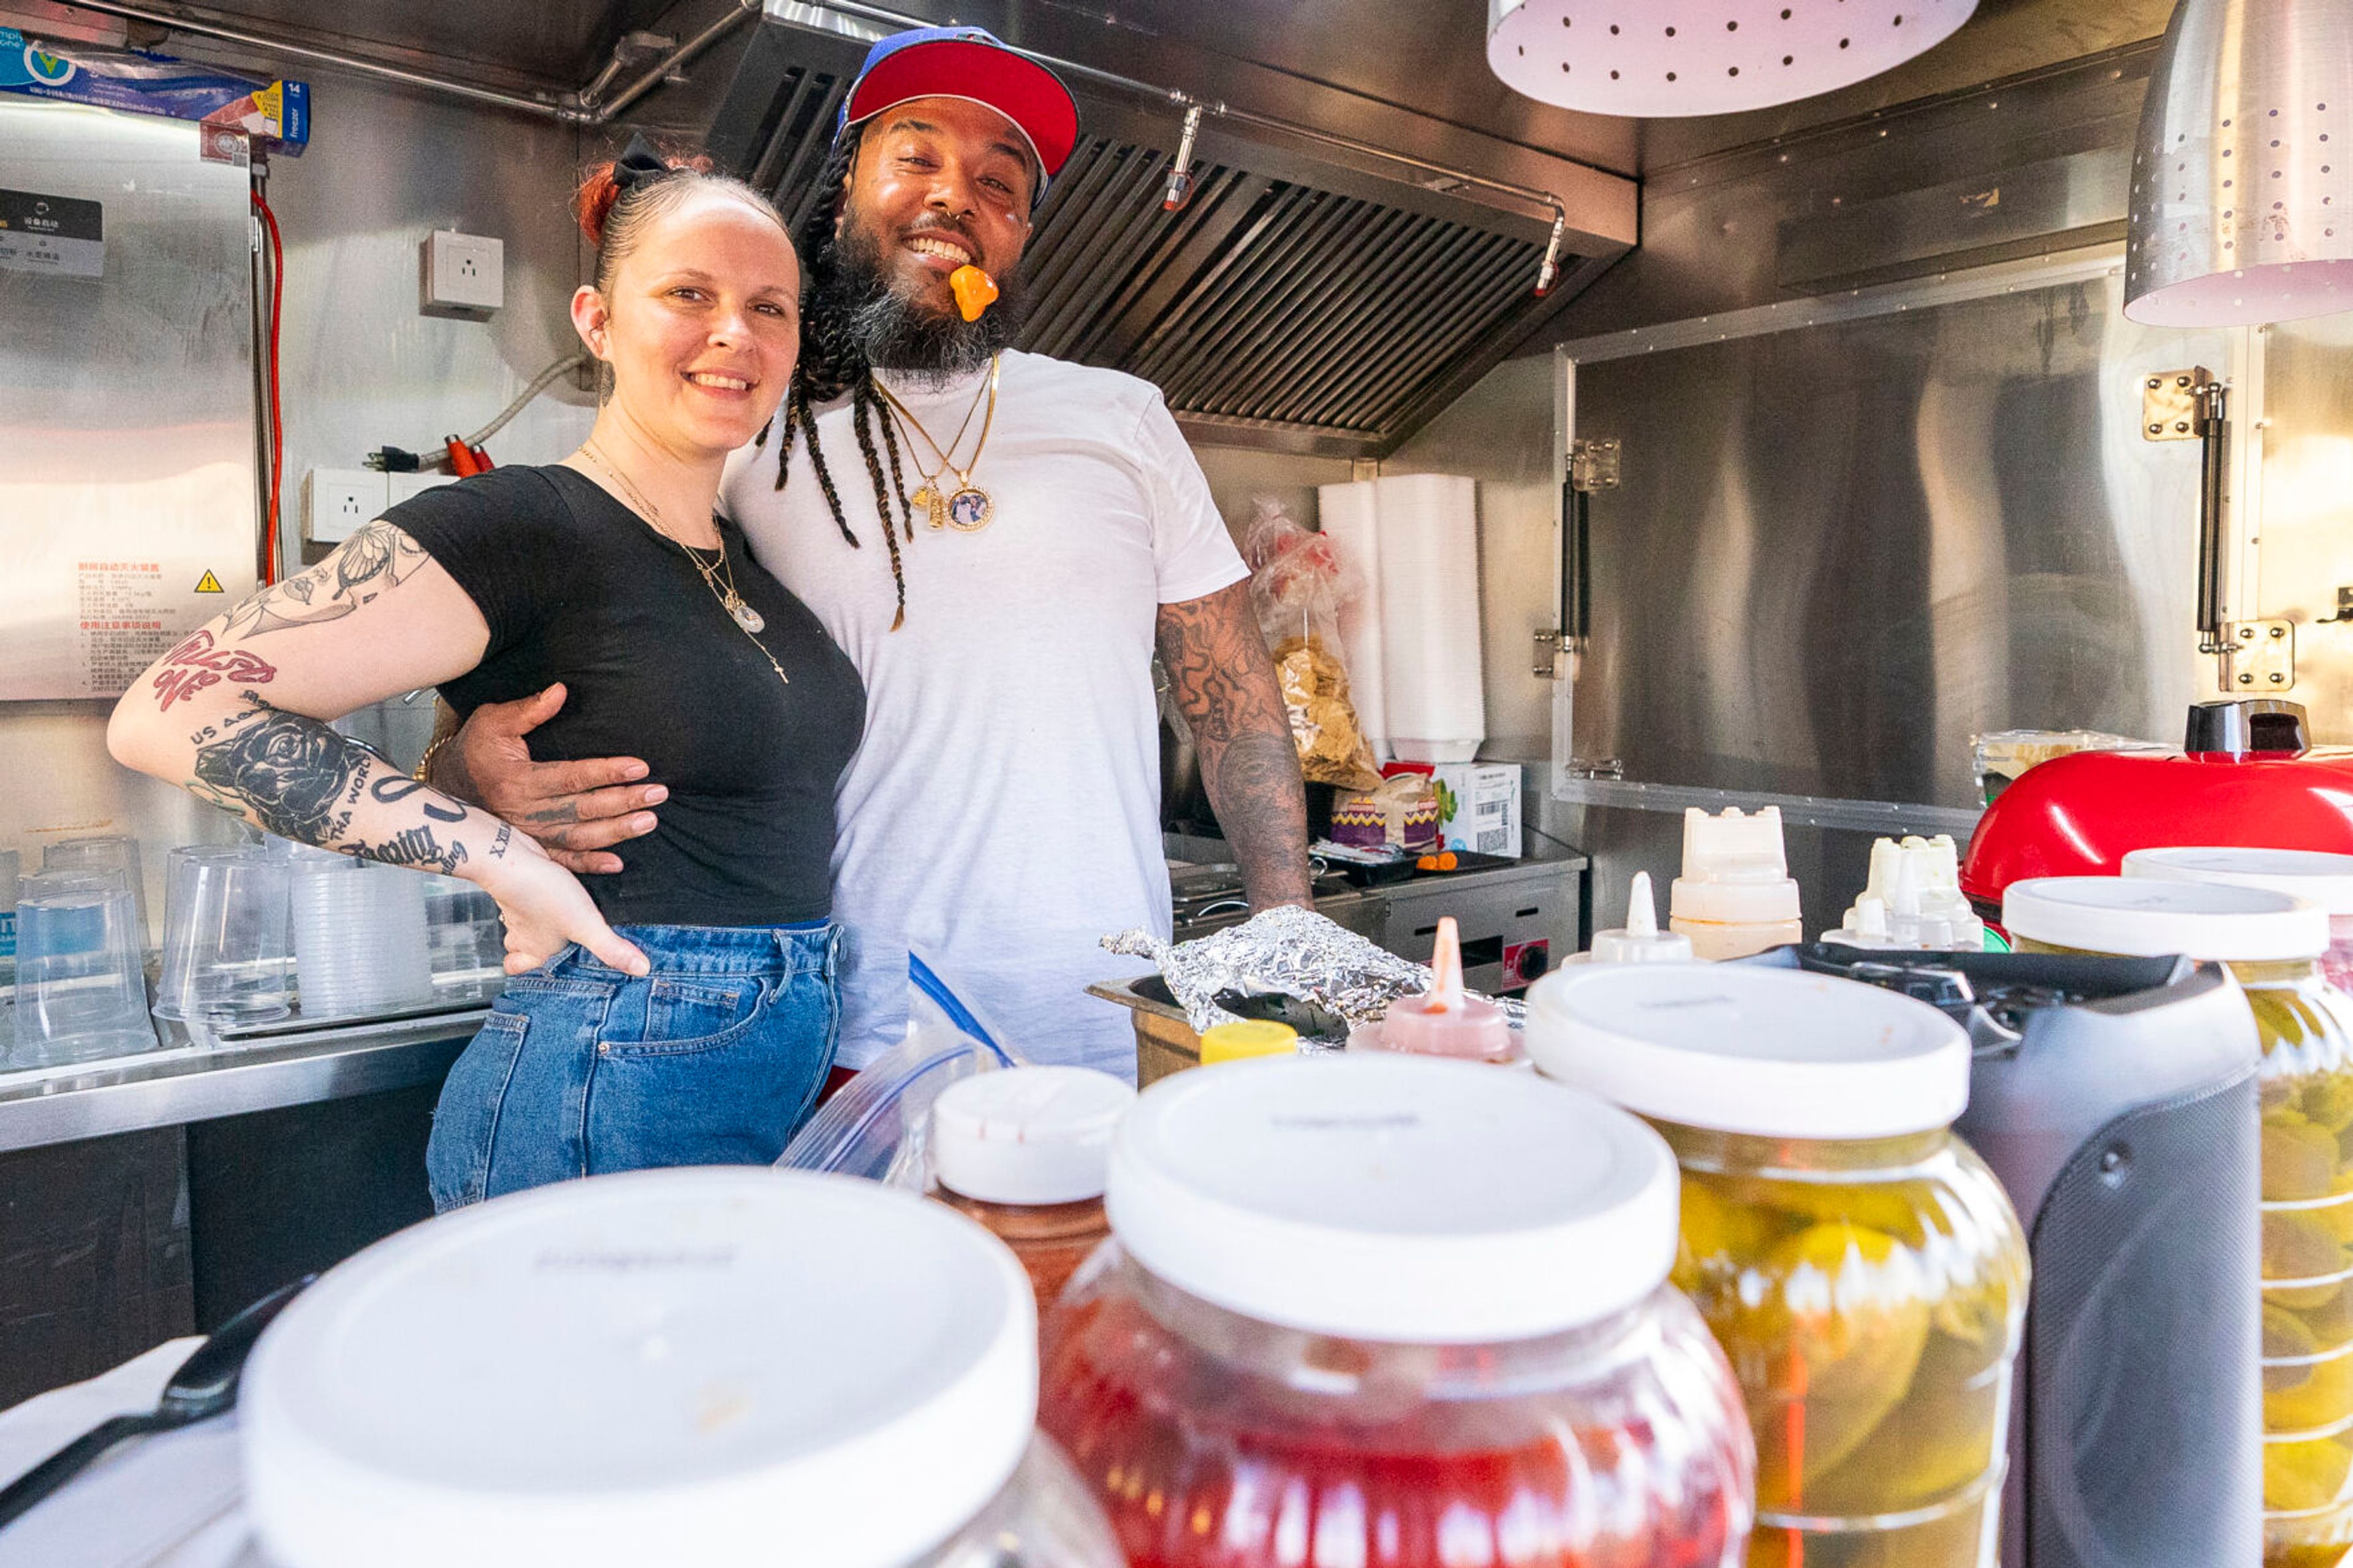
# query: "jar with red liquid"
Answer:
x=1387 y=1312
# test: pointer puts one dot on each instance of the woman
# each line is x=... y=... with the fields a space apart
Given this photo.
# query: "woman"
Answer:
x=684 y=1012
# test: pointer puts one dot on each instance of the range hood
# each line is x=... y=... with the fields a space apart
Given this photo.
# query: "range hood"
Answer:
x=1308 y=298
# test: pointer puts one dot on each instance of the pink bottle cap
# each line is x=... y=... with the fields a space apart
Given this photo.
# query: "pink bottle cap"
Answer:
x=1444 y=1021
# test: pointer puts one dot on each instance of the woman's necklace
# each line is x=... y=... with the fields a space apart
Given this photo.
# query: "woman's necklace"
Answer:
x=967 y=509
x=723 y=590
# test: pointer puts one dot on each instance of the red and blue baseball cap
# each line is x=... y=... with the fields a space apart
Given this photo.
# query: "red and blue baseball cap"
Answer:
x=974 y=64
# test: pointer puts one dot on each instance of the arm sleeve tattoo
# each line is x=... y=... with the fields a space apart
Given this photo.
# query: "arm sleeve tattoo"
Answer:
x=1224 y=683
x=287 y=772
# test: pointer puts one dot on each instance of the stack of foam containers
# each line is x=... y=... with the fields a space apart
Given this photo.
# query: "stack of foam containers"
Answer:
x=1422 y=574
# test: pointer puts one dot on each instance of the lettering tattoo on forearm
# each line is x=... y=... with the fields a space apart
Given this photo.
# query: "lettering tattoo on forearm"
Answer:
x=413 y=847
x=197 y=663
x=377 y=557
x=1223 y=679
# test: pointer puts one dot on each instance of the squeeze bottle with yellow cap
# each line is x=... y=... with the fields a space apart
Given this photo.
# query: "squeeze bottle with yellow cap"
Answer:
x=1247 y=1037
x=1736 y=896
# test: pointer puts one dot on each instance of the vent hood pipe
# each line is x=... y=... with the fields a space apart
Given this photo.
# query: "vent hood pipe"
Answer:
x=583 y=112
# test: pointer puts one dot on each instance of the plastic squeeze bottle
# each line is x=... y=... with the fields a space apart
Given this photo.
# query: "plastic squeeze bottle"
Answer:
x=1736 y=896
x=1640 y=939
x=1916 y=884
x=1445 y=1020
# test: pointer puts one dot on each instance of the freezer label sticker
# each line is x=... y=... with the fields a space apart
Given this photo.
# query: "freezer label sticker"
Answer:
x=61 y=235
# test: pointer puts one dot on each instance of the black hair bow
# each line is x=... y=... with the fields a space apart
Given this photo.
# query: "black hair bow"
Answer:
x=638 y=163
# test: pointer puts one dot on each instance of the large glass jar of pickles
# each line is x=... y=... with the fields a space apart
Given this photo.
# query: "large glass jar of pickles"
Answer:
x=1394 y=1312
x=1861 y=1268
x=2273 y=943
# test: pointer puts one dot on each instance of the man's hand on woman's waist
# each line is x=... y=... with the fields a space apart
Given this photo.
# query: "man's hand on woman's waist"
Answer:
x=577 y=810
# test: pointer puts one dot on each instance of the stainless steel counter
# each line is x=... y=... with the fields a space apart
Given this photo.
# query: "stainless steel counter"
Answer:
x=168 y=1088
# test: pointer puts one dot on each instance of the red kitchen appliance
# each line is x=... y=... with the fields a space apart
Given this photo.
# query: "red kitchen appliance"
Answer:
x=2248 y=775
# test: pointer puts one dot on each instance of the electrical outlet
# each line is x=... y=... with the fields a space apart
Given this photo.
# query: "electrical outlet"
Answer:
x=404 y=486
x=337 y=502
x=462 y=275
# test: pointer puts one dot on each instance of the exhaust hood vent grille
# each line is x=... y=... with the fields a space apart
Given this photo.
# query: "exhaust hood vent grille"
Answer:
x=1270 y=312
x=1332 y=313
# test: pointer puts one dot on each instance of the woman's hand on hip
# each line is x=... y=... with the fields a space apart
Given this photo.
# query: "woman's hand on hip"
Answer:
x=545 y=907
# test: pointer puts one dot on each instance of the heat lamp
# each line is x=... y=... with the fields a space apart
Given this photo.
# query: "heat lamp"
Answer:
x=1663 y=58
x=2241 y=205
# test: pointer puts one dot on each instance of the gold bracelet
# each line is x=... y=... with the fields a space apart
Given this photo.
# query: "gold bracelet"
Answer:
x=425 y=764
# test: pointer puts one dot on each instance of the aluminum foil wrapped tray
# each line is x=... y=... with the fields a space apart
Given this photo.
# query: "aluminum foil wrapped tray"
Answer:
x=1288 y=952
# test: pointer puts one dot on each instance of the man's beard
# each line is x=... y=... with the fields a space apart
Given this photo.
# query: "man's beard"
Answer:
x=896 y=333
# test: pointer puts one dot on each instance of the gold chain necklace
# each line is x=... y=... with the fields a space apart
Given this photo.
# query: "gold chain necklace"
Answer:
x=748 y=619
x=968 y=508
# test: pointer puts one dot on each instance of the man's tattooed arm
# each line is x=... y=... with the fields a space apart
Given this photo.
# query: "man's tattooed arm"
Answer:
x=1224 y=683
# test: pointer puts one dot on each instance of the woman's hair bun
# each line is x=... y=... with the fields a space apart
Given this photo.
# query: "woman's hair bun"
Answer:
x=593 y=203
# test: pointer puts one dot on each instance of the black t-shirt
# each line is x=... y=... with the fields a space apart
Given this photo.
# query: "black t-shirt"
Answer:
x=578 y=588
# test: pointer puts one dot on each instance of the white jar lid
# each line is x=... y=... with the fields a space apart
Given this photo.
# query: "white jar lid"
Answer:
x=2142 y=917
x=686 y=1366
x=1028 y=1134
x=1772 y=1052
x=1394 y=1198
x=2326 y=880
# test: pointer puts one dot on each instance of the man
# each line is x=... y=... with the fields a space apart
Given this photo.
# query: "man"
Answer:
x=1041 y=526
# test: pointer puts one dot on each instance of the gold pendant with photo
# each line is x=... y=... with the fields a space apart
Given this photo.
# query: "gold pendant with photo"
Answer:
x=969 y=510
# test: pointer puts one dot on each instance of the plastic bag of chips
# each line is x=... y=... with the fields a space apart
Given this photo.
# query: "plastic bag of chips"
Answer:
x=1299 y=584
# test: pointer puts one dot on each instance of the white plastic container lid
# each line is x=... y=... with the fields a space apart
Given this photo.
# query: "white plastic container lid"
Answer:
x=686 y=1366
x=1028 y=1134
x=1772 y=1052
x=1394 y=1198
x=2144 y=918
x=2326 y=880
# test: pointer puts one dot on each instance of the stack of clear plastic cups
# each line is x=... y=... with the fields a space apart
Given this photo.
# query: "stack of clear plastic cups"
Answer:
x=359 y=937
x=2272 y=943
x=227 y=959
x=108 y=852
x=9 y=866
x=465 y=942
x=81 y=992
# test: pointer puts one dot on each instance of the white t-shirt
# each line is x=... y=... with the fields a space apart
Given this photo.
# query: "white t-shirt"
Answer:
x=1002 y=813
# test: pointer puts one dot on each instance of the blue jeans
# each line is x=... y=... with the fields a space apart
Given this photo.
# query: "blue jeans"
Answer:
x=714 y=1058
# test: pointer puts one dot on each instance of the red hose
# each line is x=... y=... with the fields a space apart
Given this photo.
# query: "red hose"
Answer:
x=277 y=424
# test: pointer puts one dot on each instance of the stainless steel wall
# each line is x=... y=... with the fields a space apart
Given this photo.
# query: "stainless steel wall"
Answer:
x=1840 y=551
x=361 y=368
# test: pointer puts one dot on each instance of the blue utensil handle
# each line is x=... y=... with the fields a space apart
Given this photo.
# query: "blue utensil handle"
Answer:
x=69 y=1461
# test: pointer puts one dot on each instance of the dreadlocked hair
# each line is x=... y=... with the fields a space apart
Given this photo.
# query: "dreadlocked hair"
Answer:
x=832 y=362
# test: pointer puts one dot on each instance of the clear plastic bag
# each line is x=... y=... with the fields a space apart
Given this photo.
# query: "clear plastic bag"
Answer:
x=1299 y=584
x=878 y=1126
